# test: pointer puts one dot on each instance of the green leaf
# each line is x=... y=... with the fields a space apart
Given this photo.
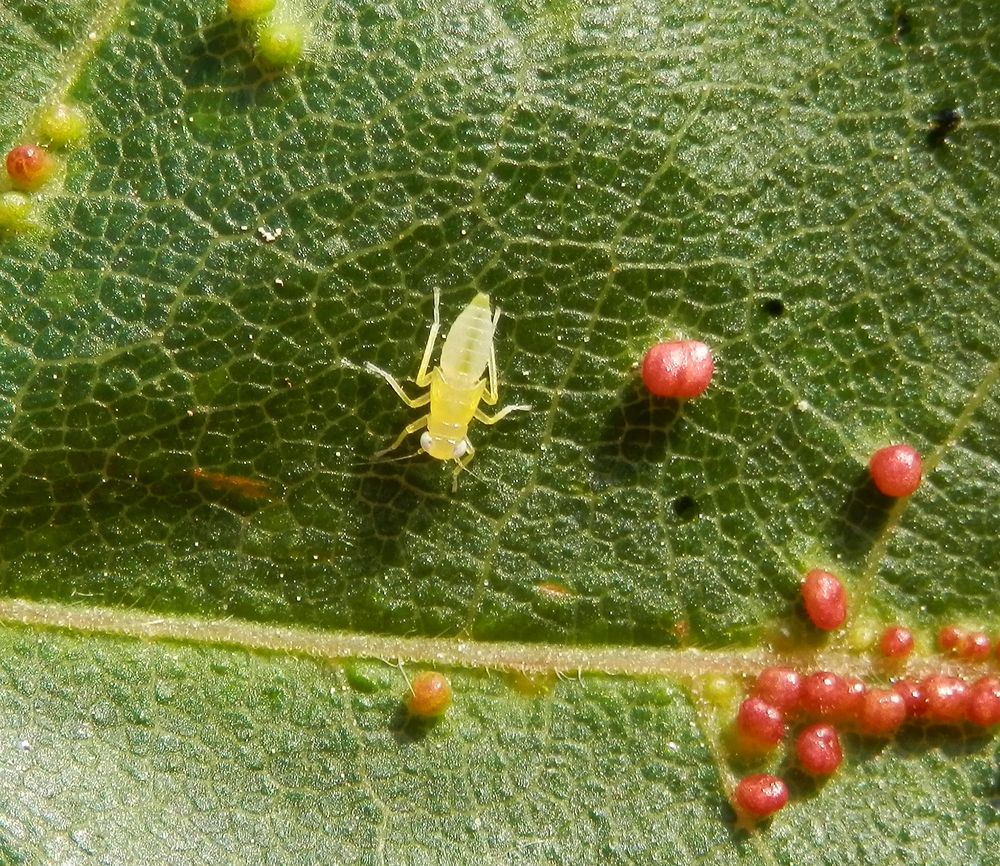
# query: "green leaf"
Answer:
x=187 y=428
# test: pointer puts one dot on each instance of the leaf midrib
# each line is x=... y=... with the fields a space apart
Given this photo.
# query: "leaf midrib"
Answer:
x=550 y=658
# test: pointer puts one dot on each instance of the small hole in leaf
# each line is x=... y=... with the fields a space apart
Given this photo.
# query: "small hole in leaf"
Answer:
x=685 y=507
x=943 y=124
x=902 y=24
x=774 y=307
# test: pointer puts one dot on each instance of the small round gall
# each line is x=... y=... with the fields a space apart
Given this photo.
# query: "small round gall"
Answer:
x=856 y=691
x=976 y=647
x=29 y=166
x=250 y=10
x=681 y=369
x=950 y=639
x=760 y=795
x=430 y=695
x=863 y=634
x=881 y=713
x=914 y=697
x=896 y=642
x=17 y=212
x=721 y=690
x=63 y=124
x=983 y=708
x=781 y=687
x=818 y=749
x=760 y=725
x=947 y=699
x=281 y=43
x=896 y=470
x=826 y=695
x=825 y=600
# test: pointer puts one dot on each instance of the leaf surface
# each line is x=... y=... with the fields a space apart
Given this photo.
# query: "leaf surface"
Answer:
x=187 y=428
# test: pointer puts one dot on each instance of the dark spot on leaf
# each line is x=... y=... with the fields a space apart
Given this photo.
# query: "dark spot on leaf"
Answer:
x=942 y=124
x=774 y=307
x=685 y=507
x=902 y=24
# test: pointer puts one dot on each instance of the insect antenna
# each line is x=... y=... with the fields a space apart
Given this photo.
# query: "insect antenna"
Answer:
x=416 y=453
x=464 y=468
x=376 y=461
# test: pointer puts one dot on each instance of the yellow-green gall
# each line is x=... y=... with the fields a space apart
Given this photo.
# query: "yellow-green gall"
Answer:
x=430 y=695
x=63 y=124
x=721 y=691
x=281 y=43
x=17 y=212
x=249 y=10
x=532 y=684
x=863 y=635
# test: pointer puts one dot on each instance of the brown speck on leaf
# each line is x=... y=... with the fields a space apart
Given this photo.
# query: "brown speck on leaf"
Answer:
x=558 y=591
x=251 y=488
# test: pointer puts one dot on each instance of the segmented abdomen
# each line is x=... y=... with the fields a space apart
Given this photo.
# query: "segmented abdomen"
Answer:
x=467 y=348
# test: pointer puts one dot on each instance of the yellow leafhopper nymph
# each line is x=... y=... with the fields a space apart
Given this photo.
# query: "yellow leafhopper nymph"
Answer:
x=456 y=385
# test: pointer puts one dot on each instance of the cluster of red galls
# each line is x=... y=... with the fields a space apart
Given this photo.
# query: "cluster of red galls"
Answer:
x=683 y=369
x=830 y=703
x=974 y=646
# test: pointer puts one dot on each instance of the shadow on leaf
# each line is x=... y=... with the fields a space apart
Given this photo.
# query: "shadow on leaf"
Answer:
x=862 y=519
x=221 y=49
x=407 y=728
x=637 y=433
x=397 y=496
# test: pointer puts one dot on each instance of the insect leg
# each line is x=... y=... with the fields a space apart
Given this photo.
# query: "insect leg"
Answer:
x=492 y=393
x=503 y=413
x=412 y=402
x=462 y=464
x=423 y=378
x=407 y=430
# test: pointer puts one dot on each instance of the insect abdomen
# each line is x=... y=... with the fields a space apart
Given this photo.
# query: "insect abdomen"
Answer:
x=467 y=349
x=452 y=408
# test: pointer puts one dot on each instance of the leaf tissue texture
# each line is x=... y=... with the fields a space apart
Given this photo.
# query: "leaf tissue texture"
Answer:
x=611 y=176
x=187 y=426
x=128 y=750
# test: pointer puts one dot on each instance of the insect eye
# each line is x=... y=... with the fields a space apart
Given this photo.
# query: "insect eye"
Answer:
x=425 y=441
x=460 y=449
